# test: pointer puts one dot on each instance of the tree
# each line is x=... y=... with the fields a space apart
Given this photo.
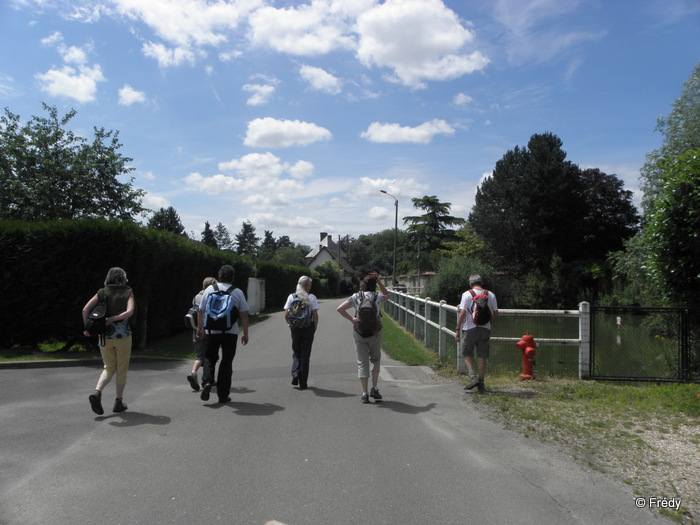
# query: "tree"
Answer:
x=223 y=239
x=544 y=220
x=166 y=219
x=48 y=173
x=268 y=248
x=208 y=238
x=681 y=130
x=427 y=232
x=672 y=235
x=465 y=243
x=246 y=241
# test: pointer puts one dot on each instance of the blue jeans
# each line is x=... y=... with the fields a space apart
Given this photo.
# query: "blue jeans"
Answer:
x=228 y=352
x=302 y=339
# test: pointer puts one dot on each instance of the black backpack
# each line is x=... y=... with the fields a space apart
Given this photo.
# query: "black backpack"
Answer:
x=96 y=323
x=299 y=313
x=367 y=323
x=481 y=313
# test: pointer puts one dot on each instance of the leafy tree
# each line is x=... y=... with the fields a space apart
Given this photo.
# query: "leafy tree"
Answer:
x=223 y=239
x=168 y=220
x=672 y=235
x=246 y=241
x=208 y=237
x=681 y=130
x=610 y=215
x=465 y=243
x=48 y=173
x=292 y=256
x=268 y=247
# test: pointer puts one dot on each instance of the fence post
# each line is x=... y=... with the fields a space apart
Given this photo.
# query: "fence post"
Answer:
x=426 y=326
x=442 y=339
x=584 y=334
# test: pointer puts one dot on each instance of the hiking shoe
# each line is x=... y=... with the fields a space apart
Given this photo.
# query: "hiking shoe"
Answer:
x=119 y=406
x=96 y=403
x=480 y=387
x=374 y=393
x=206 y=390
x=365 y=398
x=192 y=378
x=473 y=381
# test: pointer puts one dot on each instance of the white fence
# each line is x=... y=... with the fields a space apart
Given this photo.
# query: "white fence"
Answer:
x=417 y=315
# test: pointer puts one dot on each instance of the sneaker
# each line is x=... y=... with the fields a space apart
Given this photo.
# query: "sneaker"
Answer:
x=374 y=393
x=192 y=378
x=295 y=380
x=206 y=390
x=119 y=406
x=365 y=398
x=227 y=400
x=473 y=381
x=96 y=403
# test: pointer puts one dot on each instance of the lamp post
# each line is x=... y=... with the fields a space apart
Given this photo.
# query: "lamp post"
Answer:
x=396 y=229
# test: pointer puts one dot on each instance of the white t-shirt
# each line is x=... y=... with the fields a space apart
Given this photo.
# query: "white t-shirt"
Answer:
x=238 y=300
x=467 y=304
x=314 y=302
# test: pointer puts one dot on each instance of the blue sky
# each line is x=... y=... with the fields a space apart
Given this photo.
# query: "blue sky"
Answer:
x=293 y=115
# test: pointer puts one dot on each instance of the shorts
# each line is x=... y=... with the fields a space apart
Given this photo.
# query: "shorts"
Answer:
x=477 y=336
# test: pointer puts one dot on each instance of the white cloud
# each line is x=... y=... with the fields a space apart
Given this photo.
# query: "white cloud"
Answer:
x=77 y=81
x=462 y=99
x=320 y=80
x=272 y=133
x=129 y=96
x=308 y=30
x=419 y=40
x=260 y=93
x=167 y=57
x=80 y=84
x=395 y=133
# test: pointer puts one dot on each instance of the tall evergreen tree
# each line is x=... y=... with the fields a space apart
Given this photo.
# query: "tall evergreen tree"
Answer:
x=246 y=241
x=223 y=239
x=208 y=237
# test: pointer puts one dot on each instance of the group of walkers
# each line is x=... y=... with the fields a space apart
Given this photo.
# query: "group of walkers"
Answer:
x=222 y=316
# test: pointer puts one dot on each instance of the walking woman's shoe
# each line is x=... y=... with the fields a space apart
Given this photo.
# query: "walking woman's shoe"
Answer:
x=96 y=402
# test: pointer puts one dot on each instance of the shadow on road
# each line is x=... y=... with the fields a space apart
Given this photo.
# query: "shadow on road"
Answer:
x=405 y=408
x=132 y=419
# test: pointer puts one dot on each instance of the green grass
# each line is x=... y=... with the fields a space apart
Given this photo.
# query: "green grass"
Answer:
x=402 y=346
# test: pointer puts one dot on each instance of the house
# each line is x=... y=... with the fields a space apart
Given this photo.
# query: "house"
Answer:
x=327 y=250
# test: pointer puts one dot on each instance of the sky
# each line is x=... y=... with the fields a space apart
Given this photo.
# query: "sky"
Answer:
x=293 y=115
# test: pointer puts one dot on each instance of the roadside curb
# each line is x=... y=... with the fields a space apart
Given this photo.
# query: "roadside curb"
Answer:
x=58 y=363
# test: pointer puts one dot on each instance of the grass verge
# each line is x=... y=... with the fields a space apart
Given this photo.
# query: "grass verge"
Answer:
x=644 y=434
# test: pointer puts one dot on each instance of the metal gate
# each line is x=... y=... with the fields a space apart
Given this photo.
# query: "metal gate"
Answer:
x=645 y=344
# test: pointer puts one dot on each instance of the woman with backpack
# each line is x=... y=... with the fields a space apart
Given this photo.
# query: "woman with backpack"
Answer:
x=115 y=343
x=301 y=315
x=367 y=331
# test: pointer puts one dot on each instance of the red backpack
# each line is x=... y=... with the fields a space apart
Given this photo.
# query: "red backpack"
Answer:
x=481 y=313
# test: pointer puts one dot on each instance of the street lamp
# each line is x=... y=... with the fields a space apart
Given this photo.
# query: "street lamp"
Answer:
x=396 y=229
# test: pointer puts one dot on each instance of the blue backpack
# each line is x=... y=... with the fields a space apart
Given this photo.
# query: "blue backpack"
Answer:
x=221 y=312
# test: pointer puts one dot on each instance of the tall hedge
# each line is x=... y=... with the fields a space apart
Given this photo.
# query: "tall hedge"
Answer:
x=280 y=281
x=50 y=270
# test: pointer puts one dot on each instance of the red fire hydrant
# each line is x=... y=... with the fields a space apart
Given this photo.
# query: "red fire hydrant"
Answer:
x=527 y=346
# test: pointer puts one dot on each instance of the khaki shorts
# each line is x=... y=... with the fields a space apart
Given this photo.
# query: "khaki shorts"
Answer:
x=477 y=336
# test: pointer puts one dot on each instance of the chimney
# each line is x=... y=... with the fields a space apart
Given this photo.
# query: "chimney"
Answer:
x=323 y=235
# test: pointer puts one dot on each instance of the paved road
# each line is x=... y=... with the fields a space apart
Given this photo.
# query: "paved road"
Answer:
x=423 y=456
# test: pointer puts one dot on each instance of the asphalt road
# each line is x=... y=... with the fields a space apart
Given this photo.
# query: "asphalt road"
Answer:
x=319 y=456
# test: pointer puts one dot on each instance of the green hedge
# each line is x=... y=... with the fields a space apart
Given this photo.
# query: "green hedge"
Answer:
x=51 y=269
x=280 y=281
